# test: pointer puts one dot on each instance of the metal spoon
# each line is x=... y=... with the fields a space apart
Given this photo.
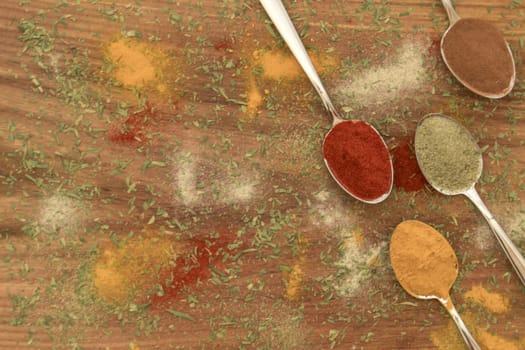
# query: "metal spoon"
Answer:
x=277 y=13
x=409 y=263
x=467 y=187
x=471 y=60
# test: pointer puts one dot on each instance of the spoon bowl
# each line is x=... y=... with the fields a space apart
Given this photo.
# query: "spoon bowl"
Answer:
x=353 y=164
x=489 y=75
x=435 y=144
x=430 y=270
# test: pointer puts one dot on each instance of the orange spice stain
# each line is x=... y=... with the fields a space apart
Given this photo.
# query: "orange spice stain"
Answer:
x=358 y=237
x=255 y=98
x=493 y=342
x=277 y=65
x=354 y=240
x=128 y=273
x=139 y=65
x=294 y=278
x=494 y=302
x=448 y=338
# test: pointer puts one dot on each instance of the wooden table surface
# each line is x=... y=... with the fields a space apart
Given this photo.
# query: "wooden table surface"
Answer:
x=162 y=183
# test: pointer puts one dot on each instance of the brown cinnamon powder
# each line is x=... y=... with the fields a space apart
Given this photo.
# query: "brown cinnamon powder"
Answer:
x=478 y=55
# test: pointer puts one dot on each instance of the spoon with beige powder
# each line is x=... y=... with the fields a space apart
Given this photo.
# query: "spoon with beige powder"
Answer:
x=477 y=54
x=426 y=267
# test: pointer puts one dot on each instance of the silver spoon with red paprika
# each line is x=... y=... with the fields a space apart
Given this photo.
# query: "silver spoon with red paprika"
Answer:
x=354 y=152
x=477 y=54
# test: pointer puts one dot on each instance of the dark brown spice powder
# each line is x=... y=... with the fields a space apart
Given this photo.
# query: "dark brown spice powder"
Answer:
x=478 y=55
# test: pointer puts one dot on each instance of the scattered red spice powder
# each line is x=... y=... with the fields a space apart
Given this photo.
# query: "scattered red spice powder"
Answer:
x=407 y=174
x=190 y=268
x=222 y=45
x=134 y=128
x=435 y=47
x=358 y=159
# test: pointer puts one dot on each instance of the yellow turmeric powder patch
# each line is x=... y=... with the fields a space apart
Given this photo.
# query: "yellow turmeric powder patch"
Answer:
x=129 y=272
x=255 y=97
x=278 y=65
x=494 y=302
x=138 y=65
x=448 y=338
x=495 y=342
x=294 y=278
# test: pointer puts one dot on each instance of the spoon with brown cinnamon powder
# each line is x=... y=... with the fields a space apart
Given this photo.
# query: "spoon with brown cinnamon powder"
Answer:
x=477 y=54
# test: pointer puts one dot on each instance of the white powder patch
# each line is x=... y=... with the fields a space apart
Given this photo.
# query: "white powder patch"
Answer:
x=355 y=266
x=60 y=212
x=186 y=182
x=197 y=181
x=330 y=212
x=516 y=229
x=235 y=192
x=54 y=60
x=356 y=260
x=404 y=72
x=483 y=237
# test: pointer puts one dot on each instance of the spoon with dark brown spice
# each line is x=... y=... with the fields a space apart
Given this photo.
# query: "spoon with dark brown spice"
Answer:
x=477 y=54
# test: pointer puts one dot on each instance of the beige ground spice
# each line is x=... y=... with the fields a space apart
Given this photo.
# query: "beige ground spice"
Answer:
x=357 y=262
x=379 y=84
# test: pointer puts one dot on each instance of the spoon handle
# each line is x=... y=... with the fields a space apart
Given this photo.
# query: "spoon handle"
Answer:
x=465 y=333
x=453 y=16
x=277 y=13
x=512 y=252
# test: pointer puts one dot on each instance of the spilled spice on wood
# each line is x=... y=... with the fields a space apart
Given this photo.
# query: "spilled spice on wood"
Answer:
x=407 y=174
x=135 y=126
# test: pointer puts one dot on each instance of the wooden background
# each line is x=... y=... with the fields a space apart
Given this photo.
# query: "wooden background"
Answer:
x=182 y=202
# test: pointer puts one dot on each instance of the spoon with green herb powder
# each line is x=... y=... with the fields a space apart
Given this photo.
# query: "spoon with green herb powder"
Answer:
x=451 y=161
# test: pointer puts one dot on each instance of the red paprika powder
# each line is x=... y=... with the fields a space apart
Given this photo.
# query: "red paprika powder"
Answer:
x=358 y=159
x=407 y=174
x=191 y=267
x=135 y=126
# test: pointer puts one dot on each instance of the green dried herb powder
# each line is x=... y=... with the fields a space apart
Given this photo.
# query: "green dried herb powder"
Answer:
x=447 y=154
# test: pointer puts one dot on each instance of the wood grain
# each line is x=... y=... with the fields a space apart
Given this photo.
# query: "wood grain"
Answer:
x=267 y=251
